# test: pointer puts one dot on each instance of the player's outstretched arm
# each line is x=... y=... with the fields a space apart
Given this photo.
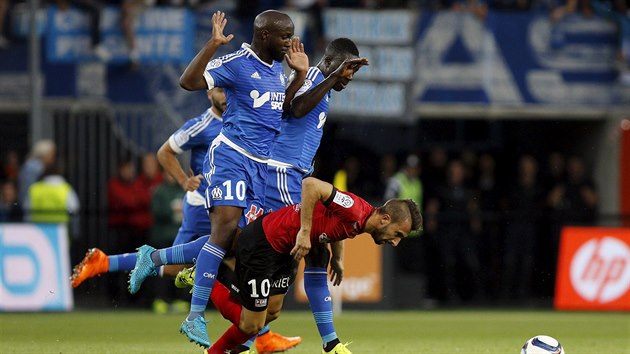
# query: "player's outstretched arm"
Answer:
x=192 y=79
x=298 y=61
x=168 y=159
x=301 y=105
x=313 y=190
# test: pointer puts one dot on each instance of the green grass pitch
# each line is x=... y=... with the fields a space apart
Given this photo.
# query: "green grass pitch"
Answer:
x=472 y=331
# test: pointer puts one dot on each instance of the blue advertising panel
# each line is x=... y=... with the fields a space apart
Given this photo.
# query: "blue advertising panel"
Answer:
x=515 y=59
x=163 y=35
x=34 y=268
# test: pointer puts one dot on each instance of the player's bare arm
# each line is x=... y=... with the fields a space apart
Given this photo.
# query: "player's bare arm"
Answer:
x=313 y=190
x=301 y=105
x=298 y=61
x=336 y=262
x=192 y=79
x=168 y=159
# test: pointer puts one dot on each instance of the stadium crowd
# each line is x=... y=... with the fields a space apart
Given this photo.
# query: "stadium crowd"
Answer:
x=484 y=216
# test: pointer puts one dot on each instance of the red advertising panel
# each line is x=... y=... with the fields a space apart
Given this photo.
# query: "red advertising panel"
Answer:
x=593 y=269
x=624 y=170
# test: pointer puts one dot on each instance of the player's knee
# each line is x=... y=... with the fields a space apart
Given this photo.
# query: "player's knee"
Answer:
x=251 y=328
x=272 y=314
x=318 y=256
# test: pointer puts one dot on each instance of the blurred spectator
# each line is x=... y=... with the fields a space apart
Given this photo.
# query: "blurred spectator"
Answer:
x=53 y=200
x=510 y=5
x=166 y=207
x=406 y=182
x=487 y=226
x=435 y=174
x=522 y=216
x=4 y=11
x=570 y=7
x=11 y=166
x=346 y=178
x=314 y=23
x=122 y=205
x=129 y=12
x=576 y=198
x=42 y=156
x=93 y=9
x=469 y=159
x=10 y=210
x=617 y=11
x=144 y=185
x=455 y=206
x=478 y=8
x=387 y=168
x=555 y=173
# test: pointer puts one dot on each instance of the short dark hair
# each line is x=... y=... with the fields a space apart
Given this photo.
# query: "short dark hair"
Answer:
x=341 y=46
x=401 y=210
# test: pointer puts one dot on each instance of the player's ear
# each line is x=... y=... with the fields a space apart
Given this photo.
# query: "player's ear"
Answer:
x=386 y=219
x=264 y=34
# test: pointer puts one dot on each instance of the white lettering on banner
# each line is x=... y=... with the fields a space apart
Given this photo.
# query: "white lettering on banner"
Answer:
x=370 y=99
x=72 y=45
x=547 y=84
x=387 y=63
x=35 y=270
x=488 y=70
x=357 y=287
x=163 y=19
x=376 y=27
x=600 y=269
x=168 y=45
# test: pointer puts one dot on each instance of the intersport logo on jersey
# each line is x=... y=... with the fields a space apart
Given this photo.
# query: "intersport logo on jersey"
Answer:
x=594 y=269
x=276 y=98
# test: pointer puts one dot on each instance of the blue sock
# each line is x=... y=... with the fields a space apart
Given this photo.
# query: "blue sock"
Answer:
x=179 y=254
x=316 y=286
x=250 y=342
x=263 y=330
x=122 y=262
x=208 y=262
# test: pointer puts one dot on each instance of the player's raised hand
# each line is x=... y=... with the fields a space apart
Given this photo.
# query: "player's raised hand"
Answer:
x=336 y=271
x=296 y=57
x=218 y=25
x=192 y=182
x=302 y=245
x=349 y=67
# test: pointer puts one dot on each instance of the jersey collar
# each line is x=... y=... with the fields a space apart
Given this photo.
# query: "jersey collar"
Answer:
x=246 y=46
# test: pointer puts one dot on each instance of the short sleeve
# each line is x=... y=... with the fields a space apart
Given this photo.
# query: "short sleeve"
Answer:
x=220 y=72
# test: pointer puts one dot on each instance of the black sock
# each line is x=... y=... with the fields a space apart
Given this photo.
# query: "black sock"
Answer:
x=330 y=345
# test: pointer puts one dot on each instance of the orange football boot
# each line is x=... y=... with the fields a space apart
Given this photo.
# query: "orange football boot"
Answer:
x=94 y=263
x=272 y=343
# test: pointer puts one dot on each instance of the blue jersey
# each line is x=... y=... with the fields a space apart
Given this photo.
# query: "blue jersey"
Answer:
x=300 y=137
x=255 y=92
x=196 y=135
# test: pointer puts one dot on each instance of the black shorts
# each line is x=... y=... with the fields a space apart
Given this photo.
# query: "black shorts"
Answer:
x=260 y=271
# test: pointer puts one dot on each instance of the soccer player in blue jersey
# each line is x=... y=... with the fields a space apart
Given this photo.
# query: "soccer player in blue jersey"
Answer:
x=194 y=135
x=254 y=83
x=292 y=158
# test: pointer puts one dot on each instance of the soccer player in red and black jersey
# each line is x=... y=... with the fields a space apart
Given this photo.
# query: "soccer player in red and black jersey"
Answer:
x=268 y=247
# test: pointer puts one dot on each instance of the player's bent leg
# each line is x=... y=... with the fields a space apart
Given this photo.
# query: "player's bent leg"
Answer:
x=225 y=223
x=271 y=342
x=94 y=263
x=316 y=287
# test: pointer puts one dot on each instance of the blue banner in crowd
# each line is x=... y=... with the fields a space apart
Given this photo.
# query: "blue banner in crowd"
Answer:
x=515 y=59
x=162 y=35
